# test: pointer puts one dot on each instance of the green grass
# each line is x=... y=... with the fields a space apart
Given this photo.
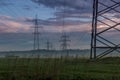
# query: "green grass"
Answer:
x=59 y=69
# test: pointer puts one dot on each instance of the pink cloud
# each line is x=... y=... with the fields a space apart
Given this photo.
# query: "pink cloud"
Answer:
x=5 y=17
x=69 y=28
x=18 y=25
x=10 y=24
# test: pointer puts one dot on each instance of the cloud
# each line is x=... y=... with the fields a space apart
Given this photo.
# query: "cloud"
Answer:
x=10 y=24
x=5 y=3
x=73 y=7
x=72 y=14
x=68 y=8
x=67 y=13
x=75 y=4
x=16 y=25
x=27 y=7
x=53 y=25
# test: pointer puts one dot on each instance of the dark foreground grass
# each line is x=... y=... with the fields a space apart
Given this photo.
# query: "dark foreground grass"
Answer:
x=59 y=69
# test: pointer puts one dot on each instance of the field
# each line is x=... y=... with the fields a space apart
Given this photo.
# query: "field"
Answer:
x=59 y=69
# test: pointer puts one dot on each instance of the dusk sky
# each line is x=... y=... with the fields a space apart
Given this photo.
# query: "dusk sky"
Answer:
x=18 y=13
x=17 y=16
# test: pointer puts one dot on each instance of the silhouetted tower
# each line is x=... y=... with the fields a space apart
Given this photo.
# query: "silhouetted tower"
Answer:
x=48 y=45
x=64 y=41
x=101 y=17
x=36 y=33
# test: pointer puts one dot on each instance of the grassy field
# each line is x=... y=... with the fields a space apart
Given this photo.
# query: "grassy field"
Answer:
x=59 y=69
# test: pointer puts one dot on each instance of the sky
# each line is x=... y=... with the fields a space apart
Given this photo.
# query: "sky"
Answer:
x=72 y=16
x=20 y=13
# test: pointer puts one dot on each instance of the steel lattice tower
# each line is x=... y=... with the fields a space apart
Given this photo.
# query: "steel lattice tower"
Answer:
x=48 y=45
x=36 y=33
x=101 y=16
x=64 y=41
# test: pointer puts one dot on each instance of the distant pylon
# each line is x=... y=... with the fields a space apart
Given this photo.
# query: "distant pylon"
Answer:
x=64 y=41
x=48 y=45
x=36 y=33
